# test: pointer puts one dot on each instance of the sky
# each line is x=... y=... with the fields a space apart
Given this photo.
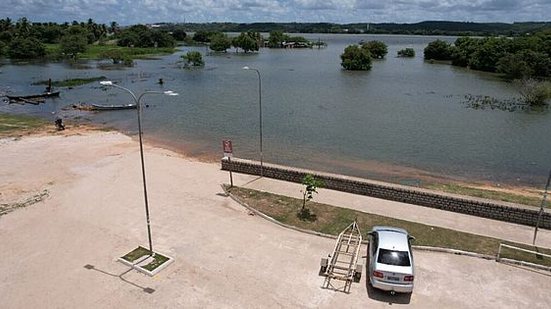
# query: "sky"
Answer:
x=128 y=12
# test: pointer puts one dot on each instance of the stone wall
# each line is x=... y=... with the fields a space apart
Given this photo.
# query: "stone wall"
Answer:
x=411 y=195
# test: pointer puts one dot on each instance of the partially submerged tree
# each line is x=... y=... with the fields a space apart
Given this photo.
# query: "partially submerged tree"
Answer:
x=438 y=50
x=247 y=41
x=118 y=57
x=193 y=58
x=356 y=58
x=219 y=42
x=377 y=49
x=524 y=64
x=406 y=52
x=534 y=92
x=276 y=39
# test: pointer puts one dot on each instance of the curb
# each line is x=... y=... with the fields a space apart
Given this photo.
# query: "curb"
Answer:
x=455 y=251
x=365 y=242
x=526 y=264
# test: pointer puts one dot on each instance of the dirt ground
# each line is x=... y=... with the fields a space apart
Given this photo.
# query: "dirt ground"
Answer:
x=224 y=257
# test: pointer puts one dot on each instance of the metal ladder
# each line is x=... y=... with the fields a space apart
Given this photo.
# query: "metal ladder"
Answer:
x=344 y=260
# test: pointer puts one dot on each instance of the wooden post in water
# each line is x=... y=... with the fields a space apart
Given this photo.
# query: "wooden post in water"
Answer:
x=49 y=88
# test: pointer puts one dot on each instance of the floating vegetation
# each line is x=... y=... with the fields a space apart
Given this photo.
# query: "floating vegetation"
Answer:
x=483 y=102
x=80 y=66
x=111 y=66
x=534 y=96
x=73 y=82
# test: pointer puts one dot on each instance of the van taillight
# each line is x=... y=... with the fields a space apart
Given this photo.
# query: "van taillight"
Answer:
x=408 y=278
x=378 y=274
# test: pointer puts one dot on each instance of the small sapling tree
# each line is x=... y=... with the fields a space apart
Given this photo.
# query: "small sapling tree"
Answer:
x=311 y=184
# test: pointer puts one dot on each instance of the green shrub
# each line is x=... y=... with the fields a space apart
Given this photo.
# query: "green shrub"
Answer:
x=406 y=52
x=356 y=58
x=377 y=49
x=26 y=48
x=534 y=92
x=438 y=50
x=193 y=58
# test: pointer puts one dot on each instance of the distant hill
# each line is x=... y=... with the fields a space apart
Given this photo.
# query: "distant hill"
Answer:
x=421 y=28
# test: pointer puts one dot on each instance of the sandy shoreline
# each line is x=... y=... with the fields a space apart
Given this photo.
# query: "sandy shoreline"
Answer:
x=376 y=170
x=380 y=171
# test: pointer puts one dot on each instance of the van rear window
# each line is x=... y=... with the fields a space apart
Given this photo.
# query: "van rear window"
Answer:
x=391 y=257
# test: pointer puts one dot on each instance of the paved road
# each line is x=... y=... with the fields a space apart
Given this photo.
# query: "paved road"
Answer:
x=225 y=258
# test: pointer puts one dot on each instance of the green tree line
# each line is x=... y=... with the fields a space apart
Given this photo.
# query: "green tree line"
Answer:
x=24 y=39
x=247 y=41
x=520 y=57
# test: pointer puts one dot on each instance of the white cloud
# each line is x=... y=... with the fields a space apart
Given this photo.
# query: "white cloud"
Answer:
x=340 y=11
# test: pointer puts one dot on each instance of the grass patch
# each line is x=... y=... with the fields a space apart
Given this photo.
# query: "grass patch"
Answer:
x=332 y=220
x=96 y=51
x=17 y=124
x=487 y=194
x=158 y=261
x=72 y=82
x=136 y=254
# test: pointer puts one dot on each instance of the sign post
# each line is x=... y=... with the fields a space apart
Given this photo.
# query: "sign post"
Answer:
x=228 y=153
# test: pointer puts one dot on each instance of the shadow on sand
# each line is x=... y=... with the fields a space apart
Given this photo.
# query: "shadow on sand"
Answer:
x=147 y=290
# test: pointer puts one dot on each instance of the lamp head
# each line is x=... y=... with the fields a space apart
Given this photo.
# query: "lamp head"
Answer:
x=246 y=68
x=106 y=83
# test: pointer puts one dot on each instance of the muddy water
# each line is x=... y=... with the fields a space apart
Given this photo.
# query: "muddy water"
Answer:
x=402 y=121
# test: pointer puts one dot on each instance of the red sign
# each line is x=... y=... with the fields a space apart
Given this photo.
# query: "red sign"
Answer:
x=228 y=149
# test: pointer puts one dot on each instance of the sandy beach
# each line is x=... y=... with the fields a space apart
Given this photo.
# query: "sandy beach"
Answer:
x=90 y=211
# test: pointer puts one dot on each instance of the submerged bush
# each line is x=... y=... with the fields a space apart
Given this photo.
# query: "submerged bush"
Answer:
x=534 y=92
x=439 y=50
x=377 y=49
x=193 y=58
x=356 y=58
x=406 y=52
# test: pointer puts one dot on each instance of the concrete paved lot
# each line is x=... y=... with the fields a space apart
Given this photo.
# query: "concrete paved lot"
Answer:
x=225 y=258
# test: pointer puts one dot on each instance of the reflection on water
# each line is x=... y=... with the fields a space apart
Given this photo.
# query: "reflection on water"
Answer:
x=404 y=113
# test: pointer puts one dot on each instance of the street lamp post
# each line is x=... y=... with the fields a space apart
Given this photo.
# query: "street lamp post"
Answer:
x=137 y=100
x=260 y=113
x=541 y=209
